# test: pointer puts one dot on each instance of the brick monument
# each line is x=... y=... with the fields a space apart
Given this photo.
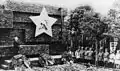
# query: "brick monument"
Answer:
x=15 y=22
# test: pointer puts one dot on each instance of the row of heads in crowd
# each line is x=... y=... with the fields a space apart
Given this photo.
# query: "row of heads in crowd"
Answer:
x=100 y=49
x=91 y=48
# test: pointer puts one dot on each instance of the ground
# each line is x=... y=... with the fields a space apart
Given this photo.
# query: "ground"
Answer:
x=68 y=67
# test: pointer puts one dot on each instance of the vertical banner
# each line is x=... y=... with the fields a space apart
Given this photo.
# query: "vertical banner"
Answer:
x=113 y=45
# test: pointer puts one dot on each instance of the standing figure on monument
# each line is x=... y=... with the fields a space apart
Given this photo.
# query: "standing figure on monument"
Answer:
x=16 y=46
x=18 y=60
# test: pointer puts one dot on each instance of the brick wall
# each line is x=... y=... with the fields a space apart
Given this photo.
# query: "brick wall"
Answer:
x=6 y=18
x=22 y=21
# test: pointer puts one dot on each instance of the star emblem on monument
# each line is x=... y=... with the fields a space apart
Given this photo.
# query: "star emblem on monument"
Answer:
x=43 y=23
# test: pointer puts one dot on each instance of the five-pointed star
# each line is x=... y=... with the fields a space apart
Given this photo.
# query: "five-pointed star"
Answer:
x=43 y=23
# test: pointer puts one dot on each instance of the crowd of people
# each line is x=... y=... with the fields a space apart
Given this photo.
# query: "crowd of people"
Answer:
x=87 y=55
x=105 y=57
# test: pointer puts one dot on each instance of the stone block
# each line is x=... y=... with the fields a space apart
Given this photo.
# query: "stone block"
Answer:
x=34 y=49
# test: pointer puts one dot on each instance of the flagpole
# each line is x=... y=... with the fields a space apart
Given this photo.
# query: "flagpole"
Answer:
x=62 y=20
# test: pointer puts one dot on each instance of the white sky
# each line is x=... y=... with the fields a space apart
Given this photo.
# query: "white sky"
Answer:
x=101 y=6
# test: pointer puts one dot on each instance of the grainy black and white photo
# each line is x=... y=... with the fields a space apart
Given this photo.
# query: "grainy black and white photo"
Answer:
x=59 y=35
